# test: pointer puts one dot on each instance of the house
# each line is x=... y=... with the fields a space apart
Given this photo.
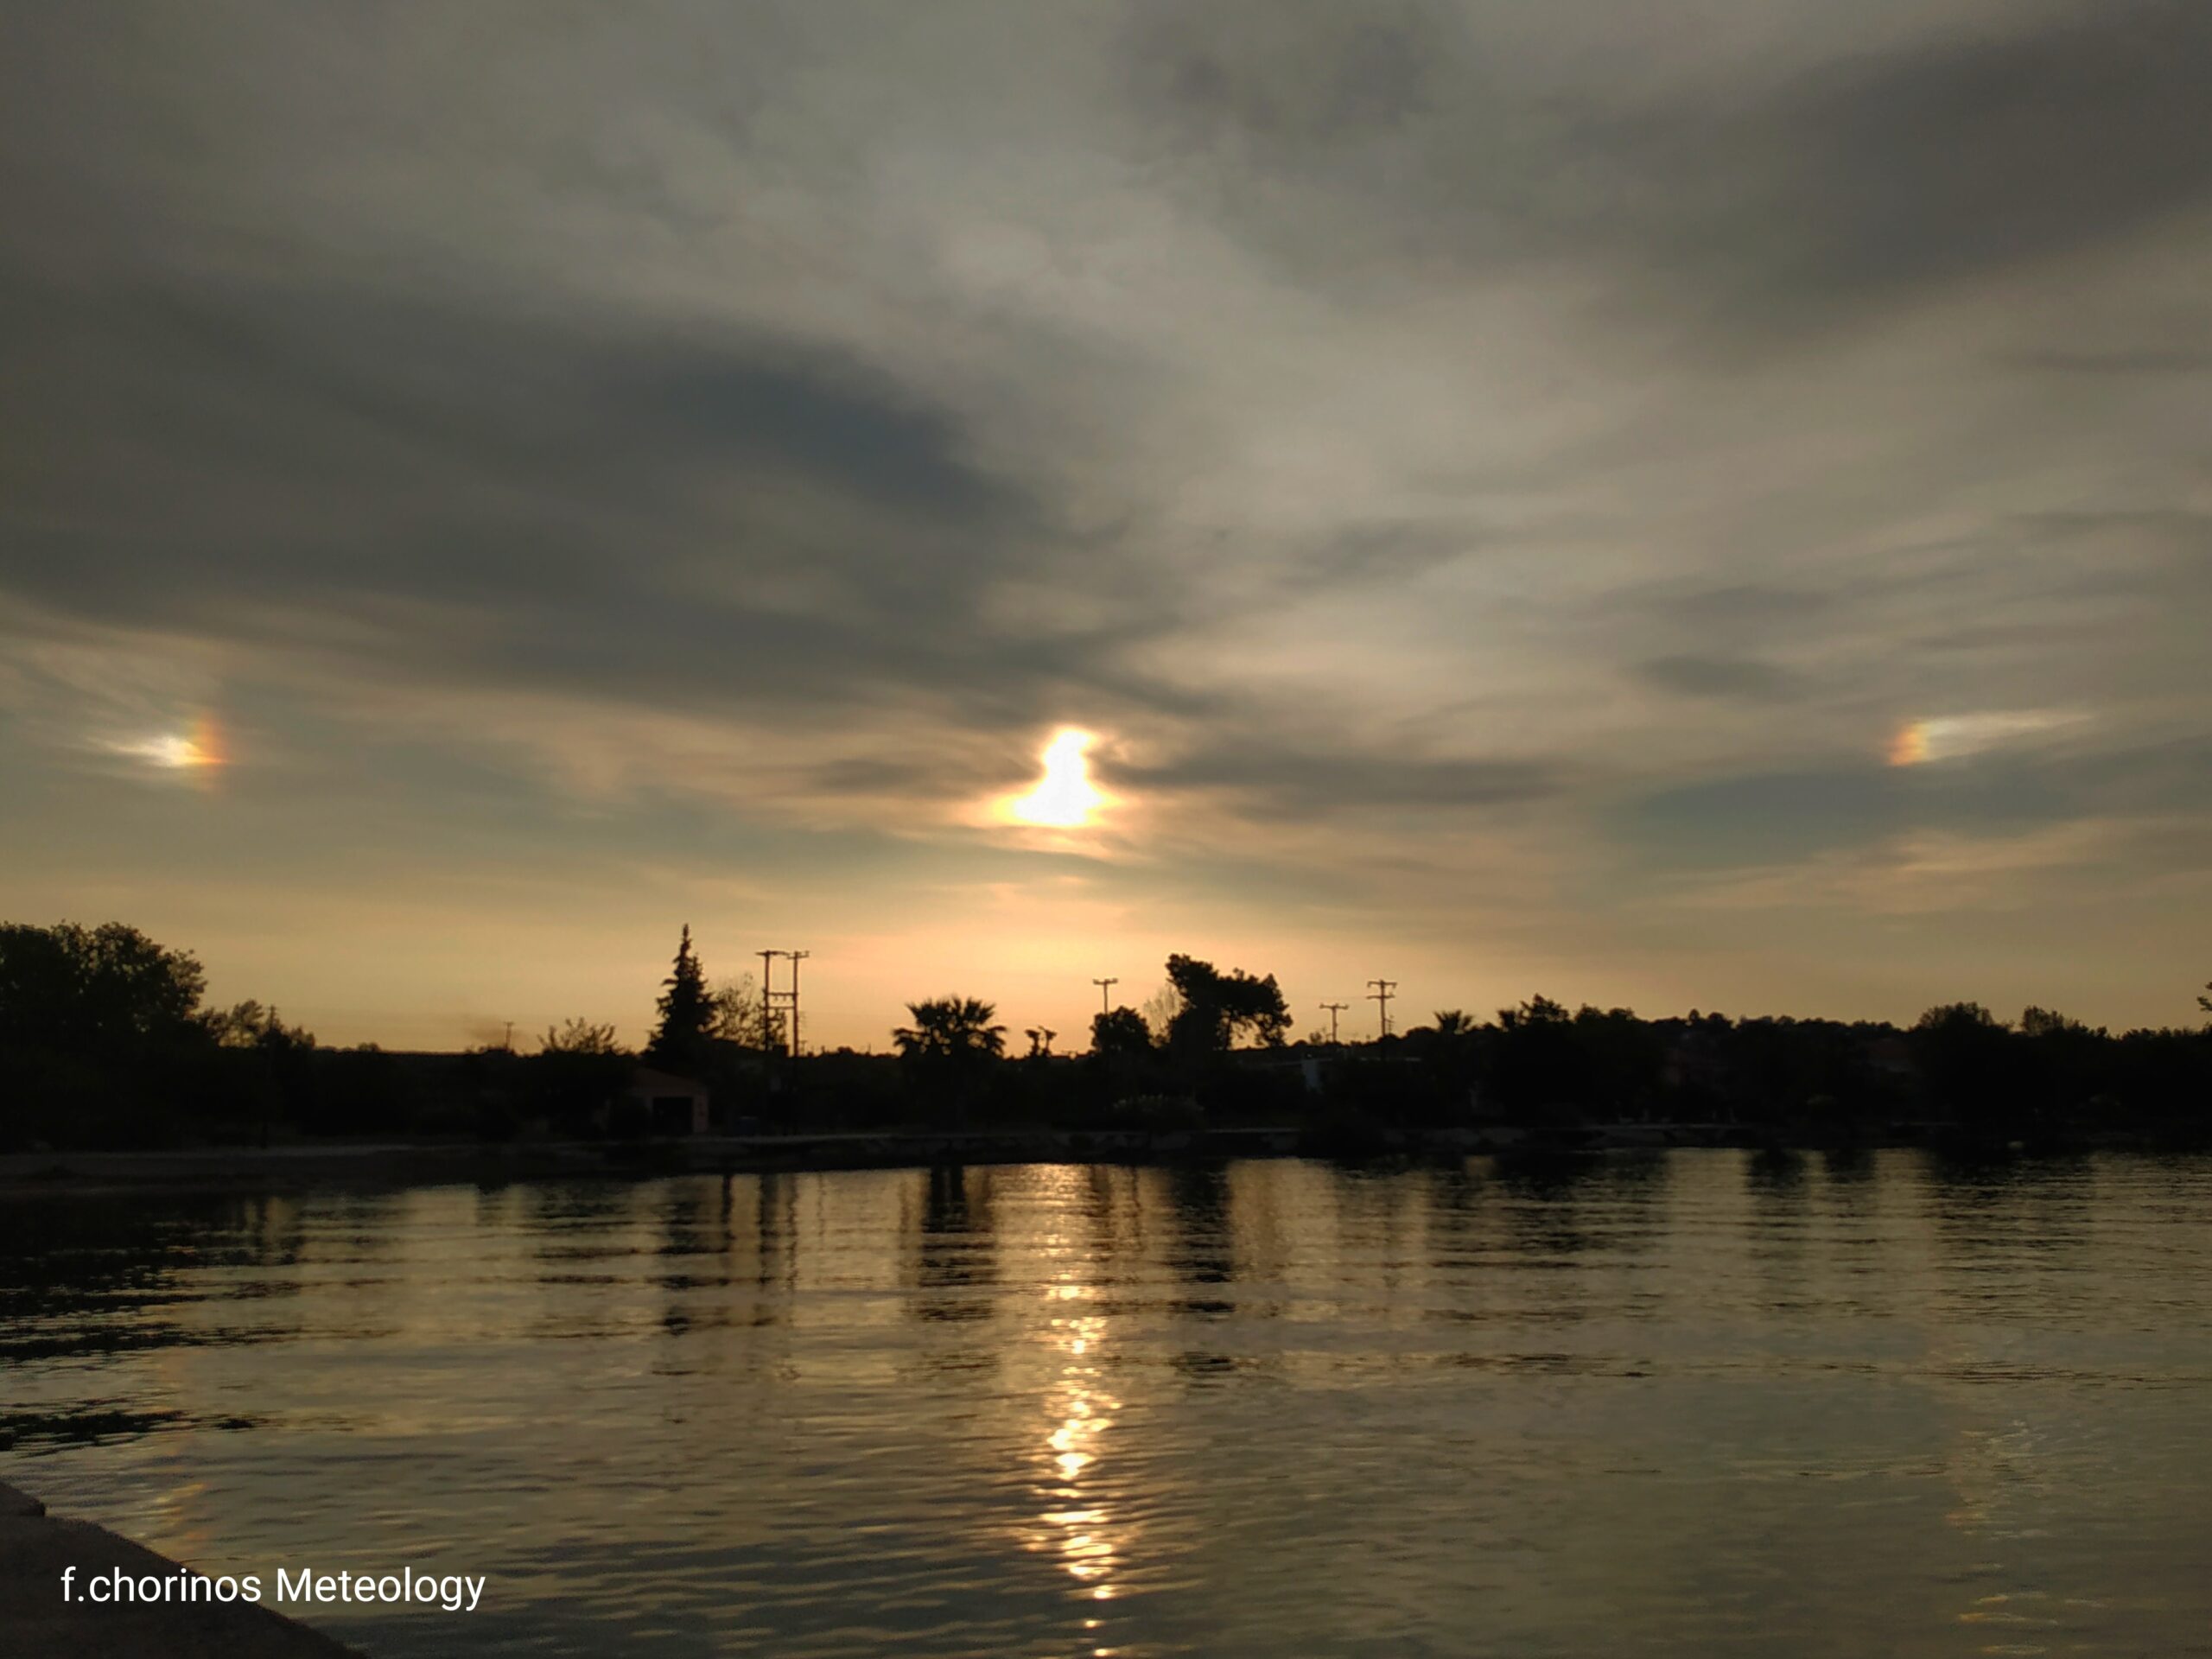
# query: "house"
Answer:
x=665 y=1103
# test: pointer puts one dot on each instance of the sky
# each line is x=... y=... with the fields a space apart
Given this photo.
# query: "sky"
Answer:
x=1688 y=506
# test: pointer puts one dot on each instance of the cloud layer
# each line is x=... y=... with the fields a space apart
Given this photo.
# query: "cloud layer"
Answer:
x=1500 y=479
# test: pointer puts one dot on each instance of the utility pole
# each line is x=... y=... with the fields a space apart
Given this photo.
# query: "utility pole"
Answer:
x=509 y=1044
x=773 y=1001
x=1334 y=1008
x=1381 y=996
x=767 y=996
x=1105 y=992
x=797 y=957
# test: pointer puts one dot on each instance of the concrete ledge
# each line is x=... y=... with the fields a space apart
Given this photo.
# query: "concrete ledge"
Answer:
x=14 y=1505
x=35 y=1623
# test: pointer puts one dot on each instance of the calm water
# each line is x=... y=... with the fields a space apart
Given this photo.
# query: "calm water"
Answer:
x=1701 y=1403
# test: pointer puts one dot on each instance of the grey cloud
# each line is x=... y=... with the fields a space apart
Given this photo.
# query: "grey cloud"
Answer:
x=1735 y=604
x=1278 y=776
x=1376 y=145
x=1380 y=552
x=1766 y=819
x=1719 y=677
x=1782 y=817
x=914 y=779
x=2170 y=526
x=742 y=520
x=1304 y=79
x=1994 y=149
x=812 y=408
x=2145 y=361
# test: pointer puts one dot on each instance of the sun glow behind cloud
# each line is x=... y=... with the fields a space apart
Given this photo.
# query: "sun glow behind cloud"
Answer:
x=1064 y=798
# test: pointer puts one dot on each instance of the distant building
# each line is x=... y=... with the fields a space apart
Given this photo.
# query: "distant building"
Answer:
x=665 y=1103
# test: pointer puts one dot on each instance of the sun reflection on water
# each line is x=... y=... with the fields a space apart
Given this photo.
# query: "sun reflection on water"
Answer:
x=1081 y=1524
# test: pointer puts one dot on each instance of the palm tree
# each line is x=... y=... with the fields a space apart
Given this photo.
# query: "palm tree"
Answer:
x=952 y=1028
x=949 y=1048
x=1456 y=1055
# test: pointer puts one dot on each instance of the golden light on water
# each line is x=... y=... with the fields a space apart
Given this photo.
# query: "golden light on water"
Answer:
x=1081 y=1524
x=1064 y=798
x=1083 y=1529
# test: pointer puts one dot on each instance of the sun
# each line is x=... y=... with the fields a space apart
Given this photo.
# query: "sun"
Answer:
x=1064 y=798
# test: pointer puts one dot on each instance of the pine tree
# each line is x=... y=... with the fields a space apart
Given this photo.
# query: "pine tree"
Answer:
x=687 y=1009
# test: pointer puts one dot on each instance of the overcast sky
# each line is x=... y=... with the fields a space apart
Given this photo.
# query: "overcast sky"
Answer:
x=1688 y=505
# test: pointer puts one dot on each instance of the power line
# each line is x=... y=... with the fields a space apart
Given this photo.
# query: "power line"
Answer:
x=1380 y=996
x=1334 y=1008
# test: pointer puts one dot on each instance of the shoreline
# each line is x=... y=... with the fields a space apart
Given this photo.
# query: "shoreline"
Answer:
x=37 y=1548
x=384 y=1164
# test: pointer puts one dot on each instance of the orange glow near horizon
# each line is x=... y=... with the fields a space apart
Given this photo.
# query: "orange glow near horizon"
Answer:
x=1064 y=798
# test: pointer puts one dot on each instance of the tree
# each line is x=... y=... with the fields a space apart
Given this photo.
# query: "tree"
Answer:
x=739 y=1017
x=1453 y=1053
x=578 y=1069
x=268 y=1066
x=1621 y=1063
x=1123 y=1031
x=2205 y=1002
x=1537 y=1011
x=248 y=1024
x=99 y=1044
x=2060 y=1072
x=1216 y=1008
x=1965 y=1053
x=580 y=1037
x=1160 y=1009
x=1537 y=1066
x=686 y=1010
x=2048 y=1023
x=92 y=992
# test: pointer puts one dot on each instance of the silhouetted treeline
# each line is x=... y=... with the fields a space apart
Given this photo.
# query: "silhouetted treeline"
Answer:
x=104 y=1042
x=1959 y=1070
